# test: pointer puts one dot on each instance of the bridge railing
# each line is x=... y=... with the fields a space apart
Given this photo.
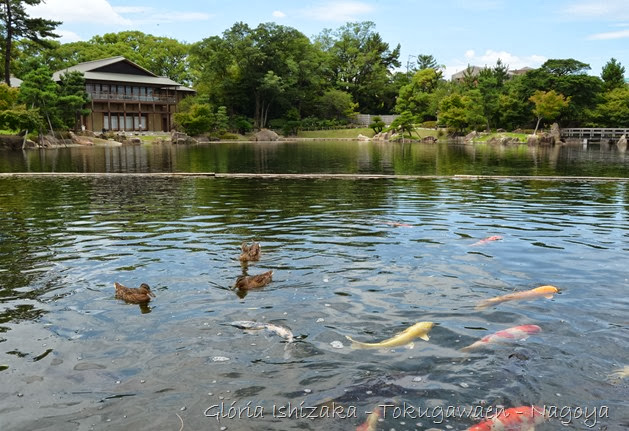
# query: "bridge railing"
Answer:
x=594 y=132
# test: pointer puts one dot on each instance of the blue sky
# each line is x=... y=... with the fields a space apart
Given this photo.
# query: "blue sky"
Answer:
x=457 y=32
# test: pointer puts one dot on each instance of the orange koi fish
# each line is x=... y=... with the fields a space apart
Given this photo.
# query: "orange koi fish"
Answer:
x=488 y=239
x=397 y=224
x=522 y=418
x=546 y=291
x=521 y=332
x=371 y=422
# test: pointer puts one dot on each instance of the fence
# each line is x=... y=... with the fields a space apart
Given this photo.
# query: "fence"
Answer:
x=366 y=119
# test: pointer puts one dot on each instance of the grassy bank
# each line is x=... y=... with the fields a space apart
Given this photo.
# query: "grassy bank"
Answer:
x=522 y=137
x=353 y=133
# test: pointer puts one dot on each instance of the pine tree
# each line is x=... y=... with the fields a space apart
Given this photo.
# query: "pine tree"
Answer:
x=15 y=23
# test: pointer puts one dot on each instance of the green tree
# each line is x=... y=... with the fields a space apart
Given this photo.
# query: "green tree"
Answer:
x=72 y=99
x=337 y=105
x=613 y=111
x=548 y=104
x=452 y=112
x=426 y=62
x=15 y=116
x=377 y=124
x=195 y=119
x=38 y=90
x=361 y=63
x=613 y=75
x=416 y=97
x=16 y=23
x=405 y=123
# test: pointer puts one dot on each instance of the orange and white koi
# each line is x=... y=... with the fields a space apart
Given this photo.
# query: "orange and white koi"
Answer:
x=521 y=332
x=546 y=291
x=371 y=422
x=522 y=418
x=488 y=239
x=397 y=224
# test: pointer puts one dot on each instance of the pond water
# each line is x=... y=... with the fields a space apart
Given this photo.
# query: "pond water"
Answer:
x=445 y=158
x=359 y=258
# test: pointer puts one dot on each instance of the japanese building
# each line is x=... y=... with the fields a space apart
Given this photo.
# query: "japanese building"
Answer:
x=127 y=97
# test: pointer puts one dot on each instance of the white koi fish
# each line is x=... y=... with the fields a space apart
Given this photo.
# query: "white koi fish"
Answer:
x=250 y=325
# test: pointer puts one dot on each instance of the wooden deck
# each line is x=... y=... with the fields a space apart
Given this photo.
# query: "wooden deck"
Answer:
x=594 y=134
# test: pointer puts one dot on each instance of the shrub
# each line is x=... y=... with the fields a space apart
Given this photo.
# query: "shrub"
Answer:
x=228 y=136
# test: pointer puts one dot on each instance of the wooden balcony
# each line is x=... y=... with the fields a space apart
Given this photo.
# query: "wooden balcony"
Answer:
x=117 y=97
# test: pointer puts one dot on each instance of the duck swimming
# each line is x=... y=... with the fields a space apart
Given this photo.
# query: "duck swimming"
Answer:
x=134 y=295
x=245 y=282
x=250 y=252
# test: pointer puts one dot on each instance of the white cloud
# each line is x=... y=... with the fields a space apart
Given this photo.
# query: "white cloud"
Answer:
x=621 y=34
x=132 y=9
x=66 y=36
x=278 y=14
x=167 y=17
x=613 y=10
x=489 y=59
x=72 y=11
x=341 y=11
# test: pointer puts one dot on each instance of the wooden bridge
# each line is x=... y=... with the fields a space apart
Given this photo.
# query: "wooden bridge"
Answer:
x=594 y=134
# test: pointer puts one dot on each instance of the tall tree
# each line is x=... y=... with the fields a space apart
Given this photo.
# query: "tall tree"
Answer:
x=72 y=99
x=38 y=90
x=16 y=23
x=425 y=61
x=361 y=63
x=548 y=104
x=613 y=75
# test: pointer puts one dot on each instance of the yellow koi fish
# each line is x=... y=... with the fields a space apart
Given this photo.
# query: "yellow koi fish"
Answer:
x=545 y=291
x=418 y=330
x=620 y=373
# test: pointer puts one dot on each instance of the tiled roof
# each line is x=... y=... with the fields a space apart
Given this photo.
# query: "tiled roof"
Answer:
x=88 y=67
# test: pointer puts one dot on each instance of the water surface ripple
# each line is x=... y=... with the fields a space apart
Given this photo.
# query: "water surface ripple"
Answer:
x=364 y=258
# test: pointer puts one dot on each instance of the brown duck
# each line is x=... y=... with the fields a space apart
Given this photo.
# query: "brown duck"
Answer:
x=250 y=252
x=134 y=295
x=245 y=282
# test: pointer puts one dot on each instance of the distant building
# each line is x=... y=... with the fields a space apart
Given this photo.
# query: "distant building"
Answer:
x=472 y=70
x=125 y=96
x=476 y=70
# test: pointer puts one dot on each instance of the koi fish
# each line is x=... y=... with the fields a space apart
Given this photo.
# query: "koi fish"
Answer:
x=488 y=239
x=371 y=422
x=418 y=330
x=521 y=332
x=397 y=224
x=280 y=330
x=620 y=373
x=522 y=418
x=546 y=291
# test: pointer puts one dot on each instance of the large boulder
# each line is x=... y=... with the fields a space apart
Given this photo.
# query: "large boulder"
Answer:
x=555 y=132
x=362 y=137
x=532 y=140
x=429 y=140
x=547 y=139
x=266 y=135
x=80 y=140
x=470 y=136
x=15 y=142
x=622 y=143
